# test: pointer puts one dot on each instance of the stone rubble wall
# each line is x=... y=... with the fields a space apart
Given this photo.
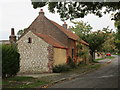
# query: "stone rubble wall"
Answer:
x=33 y=56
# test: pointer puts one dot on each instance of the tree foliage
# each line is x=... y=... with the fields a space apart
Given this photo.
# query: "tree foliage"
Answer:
x=71 y=10
x=81 y=28
x=84 y=53
x=117 y=41
x=10 y=61
x=20 y=32
x=95 y=39
x=109 y=44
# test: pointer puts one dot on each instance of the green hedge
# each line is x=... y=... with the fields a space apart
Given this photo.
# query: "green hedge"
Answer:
x=71 y=63
x=65 y=67
x=10 y=61
x=61 y=68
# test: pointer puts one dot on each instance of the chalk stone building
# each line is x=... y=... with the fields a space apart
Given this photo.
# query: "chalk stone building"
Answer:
x=45 y=44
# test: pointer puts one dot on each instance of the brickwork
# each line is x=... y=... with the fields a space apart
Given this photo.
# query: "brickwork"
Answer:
x=71 y=45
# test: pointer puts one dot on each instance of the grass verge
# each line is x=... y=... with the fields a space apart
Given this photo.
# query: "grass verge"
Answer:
x=110 y=57
x=84 y=68
x=22 y=82
x=107 y=57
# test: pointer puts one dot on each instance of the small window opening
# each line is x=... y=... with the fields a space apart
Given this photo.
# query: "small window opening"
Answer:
x=73 y=53
x=29 y=40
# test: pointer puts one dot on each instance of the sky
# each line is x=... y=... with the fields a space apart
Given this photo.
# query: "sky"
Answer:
x=19 y=14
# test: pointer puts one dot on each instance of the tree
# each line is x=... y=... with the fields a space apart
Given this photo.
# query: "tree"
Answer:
x=95 y=39
x=20 y=32
x=71 y=10
x=83 y=52
x=10 y=60
x=81 y=28
x=109 y=44
x=117 y=41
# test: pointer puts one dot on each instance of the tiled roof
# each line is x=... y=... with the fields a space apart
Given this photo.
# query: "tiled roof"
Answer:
x=43 y=25
x=67 y=32
x=4 y=42
x=50 y=40
x=83 y=42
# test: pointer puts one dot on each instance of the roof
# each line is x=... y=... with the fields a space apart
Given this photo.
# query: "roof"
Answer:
x=4 y=42
x=50 y=40
x=67 y=32
x=43 y=25
x=83 y=42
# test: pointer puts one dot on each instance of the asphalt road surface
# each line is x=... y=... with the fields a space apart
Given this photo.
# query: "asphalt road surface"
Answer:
x=105 y=77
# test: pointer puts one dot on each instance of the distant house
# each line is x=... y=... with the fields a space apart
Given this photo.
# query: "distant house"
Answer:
x=4 y=42
x=12 y=38
x=45 y=44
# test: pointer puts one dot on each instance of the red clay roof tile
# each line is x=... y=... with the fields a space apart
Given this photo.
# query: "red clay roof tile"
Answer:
x=83 y=42
x=50 y=40
x=67 y=32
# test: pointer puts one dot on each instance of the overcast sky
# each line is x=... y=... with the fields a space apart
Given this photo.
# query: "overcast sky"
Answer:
x=19 y=14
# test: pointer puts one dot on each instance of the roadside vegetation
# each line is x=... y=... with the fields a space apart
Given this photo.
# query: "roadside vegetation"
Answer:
x=73 y=67
x=65 y=67
x=22 y=82
x=10 y=61
x=108 y=57
x=30 y=82
x=10 y=68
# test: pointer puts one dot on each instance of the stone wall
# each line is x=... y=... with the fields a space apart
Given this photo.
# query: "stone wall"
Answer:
x=51 y=57
x=34 y=55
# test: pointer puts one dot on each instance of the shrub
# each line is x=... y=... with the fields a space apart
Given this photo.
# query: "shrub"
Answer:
x=71 y=63
x=61 y=68
x=81 y=63
x=10 y=61
x=64 y=67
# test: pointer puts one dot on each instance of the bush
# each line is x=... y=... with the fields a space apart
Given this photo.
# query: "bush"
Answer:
x=71 y=63
x=81 y=63
x=65 y=67
x=10 y=61
x=61 y=68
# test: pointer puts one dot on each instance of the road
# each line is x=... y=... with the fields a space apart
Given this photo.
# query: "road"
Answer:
x=105 y=77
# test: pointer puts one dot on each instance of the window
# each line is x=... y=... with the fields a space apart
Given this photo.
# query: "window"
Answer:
x=29 y=40
x=73 y=53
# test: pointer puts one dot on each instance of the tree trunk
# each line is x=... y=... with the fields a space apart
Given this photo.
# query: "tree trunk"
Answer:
x=93 y=55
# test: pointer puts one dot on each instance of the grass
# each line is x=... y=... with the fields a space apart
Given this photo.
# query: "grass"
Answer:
x=31 y=85
x=95 y=66
x=22 y=82
x=19 y=78
x=99 y=59
x=110 y=57
x=107 y=57
x=83 y=68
